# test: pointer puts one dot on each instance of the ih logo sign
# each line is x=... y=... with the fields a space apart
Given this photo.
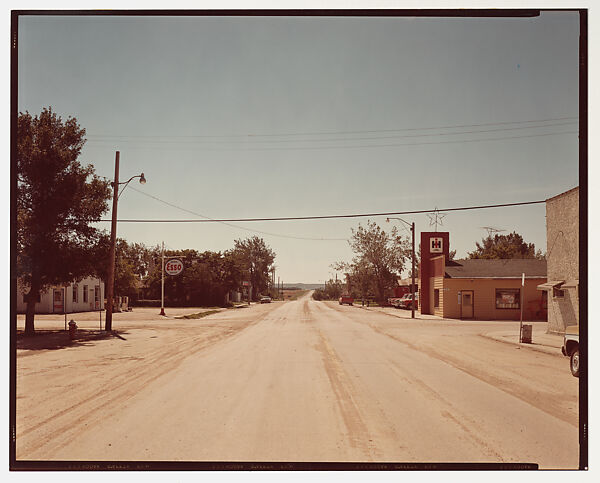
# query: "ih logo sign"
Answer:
x=436 y=245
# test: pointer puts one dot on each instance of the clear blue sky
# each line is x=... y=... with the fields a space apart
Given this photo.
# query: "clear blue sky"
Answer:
x=269 y=117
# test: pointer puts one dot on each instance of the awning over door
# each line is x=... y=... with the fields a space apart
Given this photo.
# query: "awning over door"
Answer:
x=571 y=284
x=550 y=285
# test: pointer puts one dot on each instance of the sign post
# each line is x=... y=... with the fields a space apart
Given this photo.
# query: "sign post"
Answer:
x=162 y=281
x=521 y=305
x=174 y=266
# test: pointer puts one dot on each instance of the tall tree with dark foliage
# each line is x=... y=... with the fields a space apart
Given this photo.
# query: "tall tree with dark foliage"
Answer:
x=57 y=199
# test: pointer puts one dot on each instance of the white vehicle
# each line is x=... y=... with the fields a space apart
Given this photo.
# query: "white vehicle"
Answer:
x=570 y=348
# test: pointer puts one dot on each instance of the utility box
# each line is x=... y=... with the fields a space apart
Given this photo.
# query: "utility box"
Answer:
x=526 y=334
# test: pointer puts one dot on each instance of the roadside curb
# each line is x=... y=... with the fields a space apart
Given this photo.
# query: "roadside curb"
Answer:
x=505 y=338
x=533 y=346
x=398 y=316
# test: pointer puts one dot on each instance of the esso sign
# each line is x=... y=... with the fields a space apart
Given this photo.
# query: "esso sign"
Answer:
x=173 y=267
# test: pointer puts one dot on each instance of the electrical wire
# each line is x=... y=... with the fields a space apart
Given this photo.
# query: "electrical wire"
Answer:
x=235 y=226
x=330 y=217
x=328 y=133
x=303 y=148
x=280 y=141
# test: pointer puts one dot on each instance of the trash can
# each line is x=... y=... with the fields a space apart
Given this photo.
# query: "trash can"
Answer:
x=72 y=329
x=526 y=334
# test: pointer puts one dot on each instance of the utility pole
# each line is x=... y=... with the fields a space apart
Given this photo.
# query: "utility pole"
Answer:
x=111 y=254
x=110 y=288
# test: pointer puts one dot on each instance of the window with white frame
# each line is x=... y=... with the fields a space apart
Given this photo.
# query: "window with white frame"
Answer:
x=75 y=293
x=85 y=294
x=508 y=298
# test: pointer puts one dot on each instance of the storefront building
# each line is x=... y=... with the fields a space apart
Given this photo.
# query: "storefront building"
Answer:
x=83 y=296
x=476 y=288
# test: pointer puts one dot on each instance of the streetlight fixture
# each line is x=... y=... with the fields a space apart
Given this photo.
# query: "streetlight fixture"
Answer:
x=113 y=241
x=412 y=287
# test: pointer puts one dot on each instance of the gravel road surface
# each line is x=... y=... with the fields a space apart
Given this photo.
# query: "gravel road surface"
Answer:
x=295 y=381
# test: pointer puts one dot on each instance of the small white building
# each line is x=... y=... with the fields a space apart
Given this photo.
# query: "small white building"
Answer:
x=85 y=295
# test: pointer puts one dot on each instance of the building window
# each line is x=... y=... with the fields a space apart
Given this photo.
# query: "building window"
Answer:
x=85 y=294
x=436 y=297
x=557 y=293
x=75 y=293
x=508 y=298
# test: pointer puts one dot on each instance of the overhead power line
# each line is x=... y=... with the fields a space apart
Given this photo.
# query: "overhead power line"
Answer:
x=182 y=147
x=207 y=218
x=173 y=140
x=328 y=133
x=330 y=217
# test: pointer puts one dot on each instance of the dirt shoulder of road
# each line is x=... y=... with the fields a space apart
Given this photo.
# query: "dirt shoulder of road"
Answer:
x=81 y=381
x=542 y=340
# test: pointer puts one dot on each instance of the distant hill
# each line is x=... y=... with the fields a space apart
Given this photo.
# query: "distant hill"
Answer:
x=303 y=286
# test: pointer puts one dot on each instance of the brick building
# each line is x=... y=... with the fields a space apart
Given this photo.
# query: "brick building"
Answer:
x=562 y=238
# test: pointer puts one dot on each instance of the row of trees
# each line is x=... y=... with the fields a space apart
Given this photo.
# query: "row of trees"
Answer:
x=380 y=257
x=206 y=278
x=57 y=201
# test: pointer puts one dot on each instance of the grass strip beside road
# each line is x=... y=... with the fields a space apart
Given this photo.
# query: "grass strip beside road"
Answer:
x=197 y=315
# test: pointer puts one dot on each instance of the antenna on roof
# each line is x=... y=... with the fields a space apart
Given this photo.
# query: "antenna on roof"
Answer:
x=491 y=230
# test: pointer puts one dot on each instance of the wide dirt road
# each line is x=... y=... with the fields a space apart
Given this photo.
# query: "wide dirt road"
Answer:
x=297 y=381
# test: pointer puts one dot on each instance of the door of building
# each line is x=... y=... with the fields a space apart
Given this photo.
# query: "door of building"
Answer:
x=58 y=301
x=97 y=297
x=466 y=306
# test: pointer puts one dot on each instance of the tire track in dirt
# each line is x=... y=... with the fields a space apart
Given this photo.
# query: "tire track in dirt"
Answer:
x=468 y=426
x=62 y=426
x=358 y=433
x=512 y=387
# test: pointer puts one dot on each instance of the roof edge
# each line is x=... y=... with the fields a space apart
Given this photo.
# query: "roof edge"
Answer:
x=563 y=194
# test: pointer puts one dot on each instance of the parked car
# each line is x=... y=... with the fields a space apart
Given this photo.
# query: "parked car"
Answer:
x=346 y=299
x=406 y=301
x=393 y=301
x=570 y=348
x=397 y=302
x=265 y=300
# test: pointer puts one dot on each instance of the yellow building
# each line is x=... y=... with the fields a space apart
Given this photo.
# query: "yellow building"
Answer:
x=478 y=288
x=490 y=290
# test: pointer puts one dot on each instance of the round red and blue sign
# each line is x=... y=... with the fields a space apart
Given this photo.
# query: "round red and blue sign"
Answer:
x=173 y=267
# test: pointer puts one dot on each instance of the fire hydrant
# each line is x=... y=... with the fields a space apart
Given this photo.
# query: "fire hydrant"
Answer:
x=72 y=329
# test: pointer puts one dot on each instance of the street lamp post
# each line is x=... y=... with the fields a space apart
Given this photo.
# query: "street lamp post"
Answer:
x=113 y=243
x=412 y=287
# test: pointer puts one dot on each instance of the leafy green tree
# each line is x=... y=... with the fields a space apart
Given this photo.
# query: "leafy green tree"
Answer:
x=504 y=247
x=128 y=269
x=205 y=280
x=255 y=258
x=332 y=290
x=57 y=199
x=379 y=259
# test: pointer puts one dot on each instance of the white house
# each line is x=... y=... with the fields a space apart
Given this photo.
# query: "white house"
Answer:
x=83 y=296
